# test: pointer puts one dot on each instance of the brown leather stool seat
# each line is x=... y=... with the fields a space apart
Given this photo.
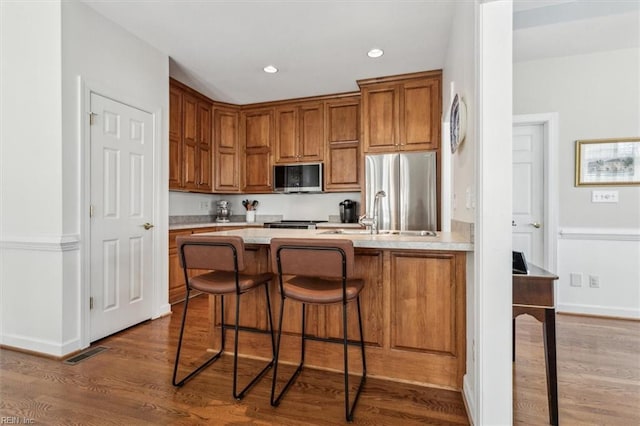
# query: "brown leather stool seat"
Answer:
x=321 y=290
x=224 y=257
x=322 y=272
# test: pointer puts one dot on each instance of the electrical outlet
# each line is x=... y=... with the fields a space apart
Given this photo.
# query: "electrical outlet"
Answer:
x=204 y=205
x=594 y=281
x=604 y=196
x=575 y=279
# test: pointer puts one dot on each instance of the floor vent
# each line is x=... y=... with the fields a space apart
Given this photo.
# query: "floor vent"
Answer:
x=85 y=355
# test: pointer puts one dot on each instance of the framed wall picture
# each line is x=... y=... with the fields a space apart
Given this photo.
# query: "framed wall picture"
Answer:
x=457 y=123
x=612 y=162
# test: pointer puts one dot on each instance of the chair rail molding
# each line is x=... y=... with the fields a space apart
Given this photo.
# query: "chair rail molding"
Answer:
x=610 y=234
x=65 y=242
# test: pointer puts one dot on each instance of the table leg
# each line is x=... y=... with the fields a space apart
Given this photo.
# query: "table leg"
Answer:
x=513 y=340
x=552 y=368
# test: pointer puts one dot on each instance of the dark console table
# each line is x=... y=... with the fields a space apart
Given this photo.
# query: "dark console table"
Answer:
x=533 y=294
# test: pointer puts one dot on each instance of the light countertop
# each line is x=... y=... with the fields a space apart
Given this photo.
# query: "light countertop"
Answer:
x=443 y=241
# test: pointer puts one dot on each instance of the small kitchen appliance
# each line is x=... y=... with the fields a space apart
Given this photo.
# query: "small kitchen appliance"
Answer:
x=348 y=211
x=224 y=211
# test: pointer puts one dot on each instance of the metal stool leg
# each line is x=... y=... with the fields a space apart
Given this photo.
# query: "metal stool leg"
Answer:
x=275 y=401
x=242 y=393
x=350 y=409
x=208 y=361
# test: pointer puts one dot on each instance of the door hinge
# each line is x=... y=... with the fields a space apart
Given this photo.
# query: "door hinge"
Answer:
x=91 y=210
x=90 y=303
x=92 y=116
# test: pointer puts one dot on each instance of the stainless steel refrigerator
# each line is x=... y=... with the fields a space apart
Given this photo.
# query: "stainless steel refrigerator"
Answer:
x=409 y=181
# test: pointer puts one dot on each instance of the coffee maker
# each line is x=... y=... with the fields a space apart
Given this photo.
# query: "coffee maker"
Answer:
x=348 y=211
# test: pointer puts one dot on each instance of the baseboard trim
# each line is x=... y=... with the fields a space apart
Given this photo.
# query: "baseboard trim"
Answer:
x=598 y=311
x=163 y=311
x=40 y=347
x=468 y=399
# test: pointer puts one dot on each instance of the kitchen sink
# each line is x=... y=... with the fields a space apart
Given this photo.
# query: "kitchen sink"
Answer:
x=412 y=233
x=347 y=232
x=381 y=233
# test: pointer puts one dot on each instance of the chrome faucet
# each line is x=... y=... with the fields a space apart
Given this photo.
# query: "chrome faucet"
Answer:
x=373 y=221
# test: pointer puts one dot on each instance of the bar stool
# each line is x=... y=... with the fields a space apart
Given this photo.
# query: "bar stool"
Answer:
x=322 y=272
x=224 y=257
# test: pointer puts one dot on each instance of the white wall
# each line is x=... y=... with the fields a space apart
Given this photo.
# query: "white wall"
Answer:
x=45 y=47
x=492 y=281
x=460 y=70
x=31 y=169
x=596 y=96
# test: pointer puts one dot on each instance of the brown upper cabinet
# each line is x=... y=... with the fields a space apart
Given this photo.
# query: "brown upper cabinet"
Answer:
x=226 y=124
x=401 y=113
x=175 y=137
x=257 y=134
x=342 y=144
x=190 y=140
x=299 y=132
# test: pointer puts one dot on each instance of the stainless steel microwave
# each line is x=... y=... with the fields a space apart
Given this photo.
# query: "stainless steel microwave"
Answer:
x=303 y=177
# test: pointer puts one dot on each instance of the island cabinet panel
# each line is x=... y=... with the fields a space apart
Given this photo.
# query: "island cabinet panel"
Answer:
x=416 y=282
x=342 y=144
x=253 y=309
x=258 y=134
x=413 y=313
x=369 y=267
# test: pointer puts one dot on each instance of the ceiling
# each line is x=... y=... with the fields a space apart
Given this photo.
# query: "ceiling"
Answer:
x=320 y=46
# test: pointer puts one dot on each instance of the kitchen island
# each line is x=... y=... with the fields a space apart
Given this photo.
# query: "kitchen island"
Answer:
x=413 y=307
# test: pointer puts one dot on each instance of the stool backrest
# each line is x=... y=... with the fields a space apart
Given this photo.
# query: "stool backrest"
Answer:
x=312 y=257
x=211 y=252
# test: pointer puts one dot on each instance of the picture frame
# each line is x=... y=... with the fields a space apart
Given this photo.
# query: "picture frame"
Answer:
x=608 y=162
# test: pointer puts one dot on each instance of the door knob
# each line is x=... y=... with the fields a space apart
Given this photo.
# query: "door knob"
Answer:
x=535 y=225
x=147 y=226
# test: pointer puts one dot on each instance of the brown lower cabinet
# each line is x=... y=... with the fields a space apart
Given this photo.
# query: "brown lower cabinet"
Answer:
x=413 y=314
x=177 y=288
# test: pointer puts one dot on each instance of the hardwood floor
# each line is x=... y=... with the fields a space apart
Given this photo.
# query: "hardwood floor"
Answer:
x=130 y=384
x=598 y=372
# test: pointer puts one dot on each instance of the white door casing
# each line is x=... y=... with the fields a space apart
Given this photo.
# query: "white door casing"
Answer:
x=528 y=188
x=121 y=198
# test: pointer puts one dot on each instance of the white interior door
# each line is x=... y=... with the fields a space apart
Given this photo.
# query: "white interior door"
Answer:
x=121 y=204
x=528 y=192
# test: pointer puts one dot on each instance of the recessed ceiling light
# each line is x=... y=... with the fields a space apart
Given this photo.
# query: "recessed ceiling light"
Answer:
x=375 y=53
x=270 y=69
